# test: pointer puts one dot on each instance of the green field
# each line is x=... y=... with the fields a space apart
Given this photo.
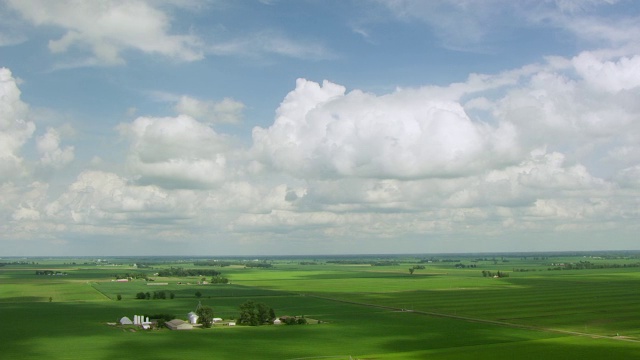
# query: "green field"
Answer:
x=368 y=308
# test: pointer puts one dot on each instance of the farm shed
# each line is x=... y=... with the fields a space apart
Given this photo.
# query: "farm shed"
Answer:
x=177 y=324
x=126 y=321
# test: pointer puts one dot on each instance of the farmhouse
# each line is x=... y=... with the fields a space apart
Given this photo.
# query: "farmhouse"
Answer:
x=177 y=324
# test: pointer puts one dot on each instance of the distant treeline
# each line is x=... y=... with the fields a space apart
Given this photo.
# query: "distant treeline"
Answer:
x=139 y=275
x=249 y=264
x=50 y=272
x=156 y=295
x=463 y=266
x=439 y=260
x=217 y=263
x=582 y=265
x=364 y=262
x=500 y=274
x=181 y=272
x=19 y=263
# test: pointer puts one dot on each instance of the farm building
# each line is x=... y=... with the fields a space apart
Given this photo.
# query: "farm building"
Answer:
x=126 y=321
x=193 y=318
x=177 y=324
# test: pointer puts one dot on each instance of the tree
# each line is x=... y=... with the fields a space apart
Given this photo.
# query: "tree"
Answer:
x=172 y=295
x=119 y=297
x=411 y=270
x=141 y=295
x=262 y=313
x=248 y=314
x=198 y=294
x=205 y=316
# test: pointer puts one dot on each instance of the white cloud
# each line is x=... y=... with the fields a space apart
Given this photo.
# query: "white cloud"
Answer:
x=106 y=28
x=176 y=152
x=100 y=198
x=51 y=154
x=612 y=76
x=226 y=111
x=271 y=42
x=15 y=129
x=321 y=131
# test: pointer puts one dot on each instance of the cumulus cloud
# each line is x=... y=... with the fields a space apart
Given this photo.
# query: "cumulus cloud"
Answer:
x=226 y=111
x=51 y=155
x=321 y=130
x=176 y=152
x=15 y=129
x=106 y=28
x=99 y=198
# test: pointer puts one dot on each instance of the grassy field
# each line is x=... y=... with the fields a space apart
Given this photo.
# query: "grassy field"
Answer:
x=446 y=310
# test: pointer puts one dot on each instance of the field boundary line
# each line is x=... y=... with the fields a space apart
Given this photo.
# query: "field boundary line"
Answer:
x=480 y=320
x=98 y=290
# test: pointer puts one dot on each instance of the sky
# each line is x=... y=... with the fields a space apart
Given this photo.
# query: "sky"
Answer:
x=279 y=127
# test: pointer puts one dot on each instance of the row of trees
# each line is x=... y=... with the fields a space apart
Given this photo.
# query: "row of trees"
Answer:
x=181 y=272
x=138 y=275
x=50 y=272
x=156 y=295
x=500 y=274
x=252 y=313
x=219 y=280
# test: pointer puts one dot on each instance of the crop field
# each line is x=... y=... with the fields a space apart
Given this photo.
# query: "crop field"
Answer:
x=552 y=306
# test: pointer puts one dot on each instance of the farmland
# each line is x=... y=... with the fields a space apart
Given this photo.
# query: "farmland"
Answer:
x=555 y=306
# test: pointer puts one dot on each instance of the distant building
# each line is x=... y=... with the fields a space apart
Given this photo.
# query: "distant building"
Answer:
x=193 y=318
x=177 y=324
x=126 y=321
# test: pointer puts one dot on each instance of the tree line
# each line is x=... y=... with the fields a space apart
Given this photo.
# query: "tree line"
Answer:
x=182 y=272
x=156 y=295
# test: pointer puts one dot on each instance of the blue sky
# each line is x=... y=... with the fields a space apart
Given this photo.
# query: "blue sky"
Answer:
x=318 y=127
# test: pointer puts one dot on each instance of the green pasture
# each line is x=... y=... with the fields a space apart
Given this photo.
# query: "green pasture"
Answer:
x=359 y=306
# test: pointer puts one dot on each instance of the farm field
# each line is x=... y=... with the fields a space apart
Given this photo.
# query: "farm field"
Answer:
x=368 y=307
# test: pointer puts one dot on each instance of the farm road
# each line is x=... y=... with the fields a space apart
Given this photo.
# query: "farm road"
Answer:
x=485 y=321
